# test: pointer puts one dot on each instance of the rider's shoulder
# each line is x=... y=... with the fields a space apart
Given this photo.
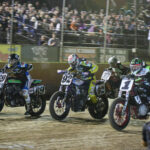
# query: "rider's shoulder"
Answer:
x=23 y=64
x=82 y=59
x=85 y=63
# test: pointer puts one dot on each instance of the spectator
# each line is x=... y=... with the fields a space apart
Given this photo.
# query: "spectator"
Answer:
x=73 y=25
x=53 y=41
x=31 y=17
x=42 y=40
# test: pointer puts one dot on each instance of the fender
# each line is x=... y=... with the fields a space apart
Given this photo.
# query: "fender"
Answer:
x=37 y=90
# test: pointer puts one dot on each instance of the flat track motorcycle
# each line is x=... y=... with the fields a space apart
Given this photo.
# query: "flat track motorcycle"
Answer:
x=11 y=94
x=130 y=103
x=73 y=93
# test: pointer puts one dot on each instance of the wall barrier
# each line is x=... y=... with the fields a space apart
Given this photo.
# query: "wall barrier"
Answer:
x=48 y=73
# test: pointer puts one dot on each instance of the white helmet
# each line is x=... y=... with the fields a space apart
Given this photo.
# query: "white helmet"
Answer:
x=112 y=61
x=73 y=60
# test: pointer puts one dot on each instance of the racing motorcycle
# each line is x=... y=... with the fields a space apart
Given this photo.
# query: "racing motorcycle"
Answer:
x=11 y=94
x=130 y=103
x=73 y=92
x=109 y=84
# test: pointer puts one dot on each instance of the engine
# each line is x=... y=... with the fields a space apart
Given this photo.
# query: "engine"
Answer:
x=143 y=110
x=100 y=89
x=13 y=96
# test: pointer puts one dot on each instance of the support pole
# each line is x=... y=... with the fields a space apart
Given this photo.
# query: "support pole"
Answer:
x=105 y=28
x=62 y=31
x=135 y=30
x=11 y=26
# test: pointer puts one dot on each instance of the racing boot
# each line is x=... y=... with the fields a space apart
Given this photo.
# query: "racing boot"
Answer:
x=28 y=109
x=27 y=100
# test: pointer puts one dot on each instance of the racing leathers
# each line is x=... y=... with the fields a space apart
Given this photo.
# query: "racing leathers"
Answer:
x=146 y=135
x=90 y=68
x=119 y=71
x=21 y=71
x=142 y=79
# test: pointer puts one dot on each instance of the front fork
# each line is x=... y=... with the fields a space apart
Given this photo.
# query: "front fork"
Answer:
x=65 y=90
x=126 y=103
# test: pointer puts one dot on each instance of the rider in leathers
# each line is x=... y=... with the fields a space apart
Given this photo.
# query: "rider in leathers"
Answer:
x=146 y=135
x=117 y=67
x=21 y=71
x=82 y=66
x=119 y=70
x=141 y=73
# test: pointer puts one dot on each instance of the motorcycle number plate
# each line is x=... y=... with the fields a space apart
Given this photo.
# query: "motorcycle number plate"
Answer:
x=66 y=79
x=126 y=84
x=106 y=75
x=2 y=77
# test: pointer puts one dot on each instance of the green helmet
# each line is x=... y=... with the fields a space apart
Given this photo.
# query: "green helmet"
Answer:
x=136 y=65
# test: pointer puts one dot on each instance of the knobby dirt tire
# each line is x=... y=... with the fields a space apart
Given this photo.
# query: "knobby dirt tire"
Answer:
x=111 y=115
x=41 y=110
x=97 y=113
x=51 y=106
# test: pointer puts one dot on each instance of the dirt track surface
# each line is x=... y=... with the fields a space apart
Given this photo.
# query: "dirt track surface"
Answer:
x=78 y=132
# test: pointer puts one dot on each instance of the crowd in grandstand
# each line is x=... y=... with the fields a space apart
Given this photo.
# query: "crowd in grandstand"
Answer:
x=39 y=22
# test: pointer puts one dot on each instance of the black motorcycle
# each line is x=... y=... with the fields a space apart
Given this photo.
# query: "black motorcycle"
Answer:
x=109 y=85
x=11 y=94
x=73 y=93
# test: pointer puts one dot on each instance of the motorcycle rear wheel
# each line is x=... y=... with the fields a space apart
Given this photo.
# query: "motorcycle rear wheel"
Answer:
x=57 y=104
x=116 y=119
x=100 y=109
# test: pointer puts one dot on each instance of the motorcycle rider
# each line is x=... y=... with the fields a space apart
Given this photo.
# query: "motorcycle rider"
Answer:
x=118 y=70
x=146 y=135
x=141 y=73
x=21 y=71
x=82 y=66
x=117 y=67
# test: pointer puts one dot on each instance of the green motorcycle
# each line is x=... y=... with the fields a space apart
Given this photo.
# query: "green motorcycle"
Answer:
x=11 y=94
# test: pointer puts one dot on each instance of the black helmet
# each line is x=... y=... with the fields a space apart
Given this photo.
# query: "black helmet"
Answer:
x=13 y=56
x=13 y=59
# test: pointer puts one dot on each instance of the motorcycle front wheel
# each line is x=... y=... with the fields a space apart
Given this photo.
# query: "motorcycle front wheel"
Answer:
x=99 y=109
x=119 y=120
x=38 y=105
x=58 y=108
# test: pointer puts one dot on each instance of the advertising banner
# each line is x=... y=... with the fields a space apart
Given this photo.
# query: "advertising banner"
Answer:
x=6 y=50
x=34 y=53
